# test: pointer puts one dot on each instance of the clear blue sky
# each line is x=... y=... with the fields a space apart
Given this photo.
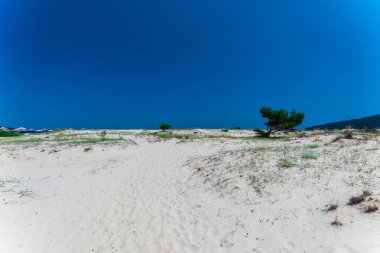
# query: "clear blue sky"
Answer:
x=192 y=63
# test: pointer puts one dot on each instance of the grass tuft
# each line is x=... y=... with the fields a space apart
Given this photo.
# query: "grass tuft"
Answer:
x=331 y=207
x=354 y=200
x=312 y=146
x=371 y=208
x=336 y=222
x=285 y=163
x=310 y=155
x=348 y=133
x=367 y=193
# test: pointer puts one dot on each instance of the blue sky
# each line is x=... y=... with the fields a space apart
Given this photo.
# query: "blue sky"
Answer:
x=192 y=63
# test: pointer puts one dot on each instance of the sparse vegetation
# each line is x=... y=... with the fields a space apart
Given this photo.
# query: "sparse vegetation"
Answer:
x=261 y=132
x=310 y=155
x=63 y=139
x=224 y=130
x=331 y=207
x=371 y=208
x=254 y=179
x=279 y=120
x=92 y=140
x=312 y=146
x=238 y=128
x=354 y=200
x=103 y=134
x=164 y=126
x=348 y=133
x=258 y=183
x=285 y=163
x=190 y=136
x=367 y=193
x=336 y=222
x=27 y=140
x=8 y=134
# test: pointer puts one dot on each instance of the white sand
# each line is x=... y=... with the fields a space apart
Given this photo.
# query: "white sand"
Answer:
x=203 y=195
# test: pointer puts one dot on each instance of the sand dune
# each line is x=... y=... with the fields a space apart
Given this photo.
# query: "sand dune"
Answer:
x=209 y=191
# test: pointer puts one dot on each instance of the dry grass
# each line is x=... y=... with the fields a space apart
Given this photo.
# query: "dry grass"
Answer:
x=285 y=163
x=371 y=208
x=87 y=149
x=348 y=133
x=336 y=222
x=354 y=200
x=366 y=193
x=331 y=207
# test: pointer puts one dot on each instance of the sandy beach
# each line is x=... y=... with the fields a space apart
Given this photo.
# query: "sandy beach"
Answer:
x=185 y=191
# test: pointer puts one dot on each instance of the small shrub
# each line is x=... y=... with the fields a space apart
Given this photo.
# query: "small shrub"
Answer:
x=313 y=146
x=354 y=200
x=165 y=126
x=238 y=128
x=261 y=132
x=310 y=155
x=371 y=208
x=254 y=179
x=285 y=163
x=8 y=134
x=224 y=130
x=348 y=133
x=331 y=207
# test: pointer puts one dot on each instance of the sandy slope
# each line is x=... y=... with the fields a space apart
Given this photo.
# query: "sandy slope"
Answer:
x=185 y=196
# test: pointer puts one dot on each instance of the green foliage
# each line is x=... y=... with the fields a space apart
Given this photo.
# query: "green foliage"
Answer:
x=310 y=155
x=254 y=179
x=165 y=126
x=224 y=130
x=313 y=146
x=261 y=132
x=238 y=128
x=8 y=134
x=280 y=119
x=285 y=163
